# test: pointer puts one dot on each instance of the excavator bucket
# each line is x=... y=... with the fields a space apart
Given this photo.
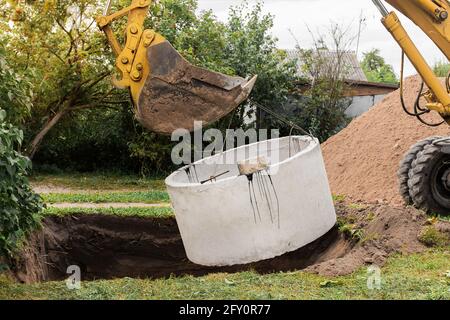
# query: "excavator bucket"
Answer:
x=176 y=93
x=168 y=92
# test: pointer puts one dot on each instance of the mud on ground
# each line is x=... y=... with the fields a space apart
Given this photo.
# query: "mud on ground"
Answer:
x=107 y=247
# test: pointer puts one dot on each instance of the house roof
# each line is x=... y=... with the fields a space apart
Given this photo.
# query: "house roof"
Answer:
x=353 y=70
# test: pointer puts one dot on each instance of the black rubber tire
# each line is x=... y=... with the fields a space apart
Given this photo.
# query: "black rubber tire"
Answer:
x=425 y=184
x=406 y=165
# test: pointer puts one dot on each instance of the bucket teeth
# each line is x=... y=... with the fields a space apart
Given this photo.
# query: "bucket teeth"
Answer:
x=176 y=93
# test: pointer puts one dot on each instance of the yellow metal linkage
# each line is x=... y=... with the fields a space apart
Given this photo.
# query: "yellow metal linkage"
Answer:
x=131 y=60
x=432 y=18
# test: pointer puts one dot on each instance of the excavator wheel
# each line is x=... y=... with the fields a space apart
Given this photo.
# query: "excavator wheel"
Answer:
x=429 y=182
x=405 y=167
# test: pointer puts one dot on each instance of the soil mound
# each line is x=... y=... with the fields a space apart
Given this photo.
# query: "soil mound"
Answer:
x=107 y=247
x=381 y=231
x=362 y=160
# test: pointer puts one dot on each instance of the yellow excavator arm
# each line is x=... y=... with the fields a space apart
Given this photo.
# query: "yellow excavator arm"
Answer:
x=432 y=16
x=424 y=173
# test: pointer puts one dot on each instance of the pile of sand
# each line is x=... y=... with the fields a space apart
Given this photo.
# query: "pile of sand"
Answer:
x=362 y=160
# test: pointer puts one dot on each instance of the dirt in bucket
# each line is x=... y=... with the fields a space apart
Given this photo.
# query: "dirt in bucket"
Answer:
x=107 y=247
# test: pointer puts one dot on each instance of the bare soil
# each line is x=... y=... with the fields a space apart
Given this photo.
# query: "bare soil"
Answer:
x=107 y=247
x=362 y=160
x=384 y=230
x=48 y=188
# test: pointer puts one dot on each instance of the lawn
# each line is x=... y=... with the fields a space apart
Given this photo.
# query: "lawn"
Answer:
x=157 y=212
x=99 y=188
x=418 y=276
x=149 y=197
x=99 y=181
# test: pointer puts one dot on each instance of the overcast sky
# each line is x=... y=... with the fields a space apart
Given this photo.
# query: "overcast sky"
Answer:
x=298 y=15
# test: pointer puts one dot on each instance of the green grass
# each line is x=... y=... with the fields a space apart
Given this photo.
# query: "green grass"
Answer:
x=99 y=181
x=338 y=198
x=432 y=237
x=103 y=197
x=163 y=212
x=418 y=276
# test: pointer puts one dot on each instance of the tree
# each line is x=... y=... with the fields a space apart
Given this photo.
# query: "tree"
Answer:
x=441 y=68
x=376 y=69
x=251 y=49
x=68 y=66
x=15 y=92
x=321 y=108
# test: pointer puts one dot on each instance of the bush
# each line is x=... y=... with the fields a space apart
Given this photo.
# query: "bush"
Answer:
x=152 y=152
x=376 y=68
x=88 y=141
x=321 y=108
x=441 y=68
x=19 y=205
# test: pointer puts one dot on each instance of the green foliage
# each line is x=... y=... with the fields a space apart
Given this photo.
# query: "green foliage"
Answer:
x=339 y=198
x=173 y=18
x=19 y=205
x=349 y=229
x=152 y=151
x=430 y=236
x=252 y=50
x=376 y=69
x=90 y=140
x=15 y=92
x=441 y=68
x=57 y=47
x=322 y=110
x=89 y=125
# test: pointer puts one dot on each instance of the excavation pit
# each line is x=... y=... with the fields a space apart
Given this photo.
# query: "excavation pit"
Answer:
x=108 y=247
